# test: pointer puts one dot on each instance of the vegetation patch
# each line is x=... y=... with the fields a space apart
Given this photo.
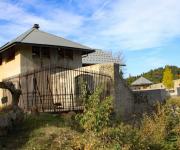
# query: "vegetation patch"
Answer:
x=95 y=129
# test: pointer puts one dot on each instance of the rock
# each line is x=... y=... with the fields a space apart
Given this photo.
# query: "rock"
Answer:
x=10 y=115
x=10 y=119
x=5 y=124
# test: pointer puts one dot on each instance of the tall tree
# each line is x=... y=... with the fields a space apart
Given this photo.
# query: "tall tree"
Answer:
x=168 y=78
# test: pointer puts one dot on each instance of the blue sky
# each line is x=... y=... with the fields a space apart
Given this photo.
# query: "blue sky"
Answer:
x=146 y=31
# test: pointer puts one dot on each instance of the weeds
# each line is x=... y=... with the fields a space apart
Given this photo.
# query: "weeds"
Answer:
x=46 y=131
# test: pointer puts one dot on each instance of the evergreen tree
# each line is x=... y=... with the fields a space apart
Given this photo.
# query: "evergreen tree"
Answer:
x=168 y=78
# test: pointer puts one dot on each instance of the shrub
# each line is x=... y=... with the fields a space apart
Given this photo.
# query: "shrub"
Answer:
x=122 y=136
x=157 y=131
x=96 y=114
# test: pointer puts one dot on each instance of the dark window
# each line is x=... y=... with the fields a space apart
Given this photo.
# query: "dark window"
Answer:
x=60 y=54
x=35 y=51
x=65 y=54
x=68 y=54
x=171 y=91
x=10 y=55
x=0 y=59
x=46 y=52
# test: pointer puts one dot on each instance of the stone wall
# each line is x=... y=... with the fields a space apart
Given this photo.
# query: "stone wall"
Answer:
x=146 y=99
x=9 y=68
x=123 y=96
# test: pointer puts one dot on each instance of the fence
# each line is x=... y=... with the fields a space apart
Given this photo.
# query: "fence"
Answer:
x=55 y=89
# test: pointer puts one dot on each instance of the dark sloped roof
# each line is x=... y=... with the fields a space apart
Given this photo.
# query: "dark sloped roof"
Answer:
x=141 y=81
x=36 y=36
x=100 y=56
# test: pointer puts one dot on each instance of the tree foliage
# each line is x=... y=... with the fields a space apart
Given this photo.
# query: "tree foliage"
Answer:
x=156 y=75
x=168 y=78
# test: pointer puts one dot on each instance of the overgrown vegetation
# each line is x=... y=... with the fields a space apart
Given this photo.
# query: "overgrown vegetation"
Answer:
x=96 y=129
x=97 y=112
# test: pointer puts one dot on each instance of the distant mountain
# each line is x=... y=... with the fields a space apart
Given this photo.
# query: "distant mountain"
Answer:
x=156 y=75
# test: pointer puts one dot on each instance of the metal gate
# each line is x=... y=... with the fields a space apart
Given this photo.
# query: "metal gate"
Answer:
x=56 y=89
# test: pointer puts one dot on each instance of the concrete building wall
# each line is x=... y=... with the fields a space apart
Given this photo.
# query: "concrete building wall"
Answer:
x=140 y=87
x=172 y=92
x=26 y=58
x=24 y=62
x=29 y=63
x=10 y=68
x=156 y=86
x=76 y=62
x=65 y=83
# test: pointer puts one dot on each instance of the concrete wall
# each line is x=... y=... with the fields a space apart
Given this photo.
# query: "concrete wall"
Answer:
x=145 y=99
x=29 y=63
x=123 y=96
x=24 y=62
x=65 y=83
x=172 y=92
x=10 y=68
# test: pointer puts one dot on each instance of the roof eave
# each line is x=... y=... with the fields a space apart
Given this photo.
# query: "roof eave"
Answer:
x=141 y=84
x=85 y=51
x=2 y=49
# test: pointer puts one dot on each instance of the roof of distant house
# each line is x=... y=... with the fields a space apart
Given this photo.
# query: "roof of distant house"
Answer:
x=141 y=81
x=38 y=37
x=100 y=56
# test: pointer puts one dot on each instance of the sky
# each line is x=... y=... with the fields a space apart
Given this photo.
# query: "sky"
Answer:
x=147 y=32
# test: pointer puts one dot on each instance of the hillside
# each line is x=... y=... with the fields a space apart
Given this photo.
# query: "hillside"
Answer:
x=156 y=75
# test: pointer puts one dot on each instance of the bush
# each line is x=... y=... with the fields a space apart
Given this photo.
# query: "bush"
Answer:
x=96 y=114
x=158 y=131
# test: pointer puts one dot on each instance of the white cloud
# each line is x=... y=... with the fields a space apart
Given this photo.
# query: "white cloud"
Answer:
x=108 y=24
x=19 y=19
x=141 y=24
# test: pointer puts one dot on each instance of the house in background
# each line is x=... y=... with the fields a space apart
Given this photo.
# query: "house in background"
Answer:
x=141 y=84
x=147 y=93
x=175 y=91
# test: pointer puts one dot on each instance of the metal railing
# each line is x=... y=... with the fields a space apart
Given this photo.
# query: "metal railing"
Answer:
x=56 y=89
